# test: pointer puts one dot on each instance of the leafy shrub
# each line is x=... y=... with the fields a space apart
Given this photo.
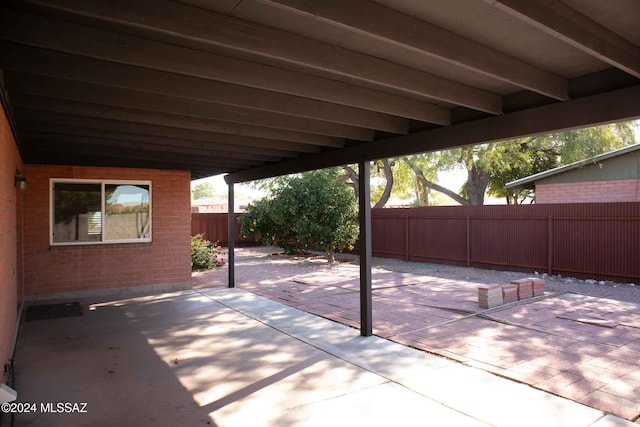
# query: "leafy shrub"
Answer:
x=259 y=222
x=314 y=208
x=204 y=254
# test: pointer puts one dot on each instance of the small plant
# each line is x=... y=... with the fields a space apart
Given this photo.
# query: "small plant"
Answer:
x=204 y=254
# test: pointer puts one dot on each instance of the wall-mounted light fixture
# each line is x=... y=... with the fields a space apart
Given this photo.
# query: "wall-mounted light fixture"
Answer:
x=20 y=181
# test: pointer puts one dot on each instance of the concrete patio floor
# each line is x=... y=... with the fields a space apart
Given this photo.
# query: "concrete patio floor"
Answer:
x=539 y=342
x=228 y=357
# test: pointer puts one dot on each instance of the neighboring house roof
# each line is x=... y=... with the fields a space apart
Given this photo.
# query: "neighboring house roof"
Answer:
x=528 y=181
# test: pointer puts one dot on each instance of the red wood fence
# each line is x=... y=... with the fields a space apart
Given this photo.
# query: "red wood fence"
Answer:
x=590 y=240
x=595 y=240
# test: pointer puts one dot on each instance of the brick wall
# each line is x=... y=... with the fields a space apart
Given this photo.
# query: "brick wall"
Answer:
x=10 y=220
x=163 y=264
x=625 y=190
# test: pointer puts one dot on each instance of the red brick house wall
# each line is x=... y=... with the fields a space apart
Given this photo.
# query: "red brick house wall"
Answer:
x=10 y=221
x=623 y=190
x=121 y=268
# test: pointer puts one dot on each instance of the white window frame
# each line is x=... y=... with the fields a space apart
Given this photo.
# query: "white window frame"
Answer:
x=102 y=183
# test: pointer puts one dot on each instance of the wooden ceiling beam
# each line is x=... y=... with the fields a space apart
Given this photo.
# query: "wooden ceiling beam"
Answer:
x=126 y=98
x=569 y=25
x=617 y=105
x=72 y=67
x=40 y=120
x=65 y=147
x=51 y=157
x=160 y=119
x=145 y=142
x=206 y=28
x=396 y=28
x=121 y=48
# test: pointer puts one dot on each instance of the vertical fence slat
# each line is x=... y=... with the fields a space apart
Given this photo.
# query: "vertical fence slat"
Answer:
x=468 y=241
x=406 y=237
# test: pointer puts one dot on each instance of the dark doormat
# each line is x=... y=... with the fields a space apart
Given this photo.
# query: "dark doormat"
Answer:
x=53 y=311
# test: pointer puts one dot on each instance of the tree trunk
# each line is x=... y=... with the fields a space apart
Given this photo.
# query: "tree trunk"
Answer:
x=353 y=176
x=477 y=182
x=433 y=186
x=388 y=174
x=422 y=193
x=331 y=256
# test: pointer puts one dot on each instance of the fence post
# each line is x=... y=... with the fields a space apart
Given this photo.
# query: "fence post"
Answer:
x=364 y=202
x=231 y=238
x=468 y=242
x=550 y=245
x=406 y=236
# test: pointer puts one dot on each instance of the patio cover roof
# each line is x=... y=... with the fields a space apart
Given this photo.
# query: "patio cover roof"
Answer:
x=256 y=88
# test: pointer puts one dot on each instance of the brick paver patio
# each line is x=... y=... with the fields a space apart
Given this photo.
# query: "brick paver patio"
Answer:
x=580 y=347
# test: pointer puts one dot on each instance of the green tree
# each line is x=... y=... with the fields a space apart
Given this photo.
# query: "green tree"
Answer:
x=425 y=168
x=202 y=190
x=380 y=192
x=526 y=156
x=490 y=166
x=382 y=169
x=313 y=208
x=520 y=158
